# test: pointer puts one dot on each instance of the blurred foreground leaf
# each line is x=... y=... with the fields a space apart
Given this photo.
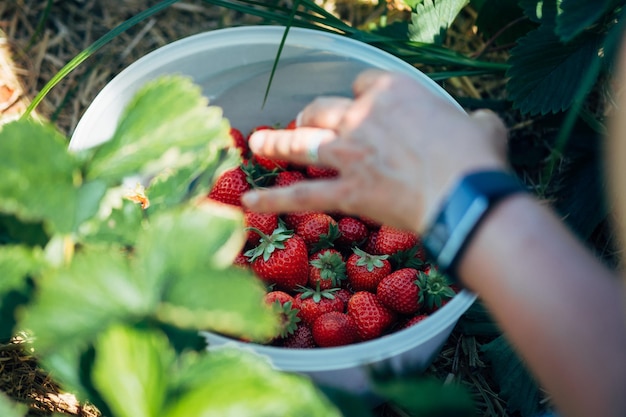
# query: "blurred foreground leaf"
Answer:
x=9 y=408
x=38 y=175
x=131 y=371
x=235 y=382
x=167 y=125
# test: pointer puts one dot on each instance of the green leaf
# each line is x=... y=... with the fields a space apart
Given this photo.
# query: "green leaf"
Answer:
x=517 y=386
x=544 y=72
x=9 y=408
x=228 y=301
x=578 y=15
x=426 y=396
x=131 y=370
x=17 y=262
x=89 y=197
x=38 y=175
x=190 y=239
x=165 y=126
x=431 y=19
x=76 y=302
x=540 y=11
x=229 y=382
x=121 y=226
x=14 y=230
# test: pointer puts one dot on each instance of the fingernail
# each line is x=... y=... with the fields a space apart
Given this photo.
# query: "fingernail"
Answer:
x=250 y=198
x=299 y=120
x=256 y=140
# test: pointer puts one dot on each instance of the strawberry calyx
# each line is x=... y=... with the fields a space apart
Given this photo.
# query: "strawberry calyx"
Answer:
x=316 y=294
x=288 y=316
x=327 y=240
x=368 y=260
x=434 y=288
x=407 y=258
x=332 y=267
x=268 y=244
x=258 y=176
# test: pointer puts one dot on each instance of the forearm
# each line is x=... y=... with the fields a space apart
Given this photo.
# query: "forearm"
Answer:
x=561 y=308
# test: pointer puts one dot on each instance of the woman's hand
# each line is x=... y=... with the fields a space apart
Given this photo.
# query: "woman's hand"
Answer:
x=398 y=148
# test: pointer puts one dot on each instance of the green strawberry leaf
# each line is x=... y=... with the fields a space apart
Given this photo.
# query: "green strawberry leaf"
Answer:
x=517 y=386
x=121 y=226
x=191 y=238
x=17 y=262
x=228 y=301
x=205 y=387
x=425 y=396
x=502 y=20
x=97 y=288
x=431 y=19
x=38 y=175
x=167 y=125
x=577 y=15
x=543 y=70
x=131 y=370
x=9 y=408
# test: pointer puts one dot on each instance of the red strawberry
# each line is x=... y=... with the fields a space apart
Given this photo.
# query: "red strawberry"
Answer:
x=352 y=232
x=320 y=172
x=281 y=258
x=365 y=271
x=302 y=338
x=370 y=244
x=291 y=124
x=371 y=317
x=344 y=295
x=277 y=295
x=334 y=329
x=265 y=222
x=371 y=224
x=230 y=186
x=292 y=220
x=269 y=163
x=240 y=142
x=241 y=261
x=312 y=303
x=318 y=230
x=399 y=291
x=435 y=290
x=327 y=269
x=285 y=178
x=414 y=320
x=391 y=240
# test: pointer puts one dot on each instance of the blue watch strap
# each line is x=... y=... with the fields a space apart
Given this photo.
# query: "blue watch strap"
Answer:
x=461 y=213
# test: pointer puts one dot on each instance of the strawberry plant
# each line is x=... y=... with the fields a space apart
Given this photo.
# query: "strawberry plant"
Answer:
x=110 y=282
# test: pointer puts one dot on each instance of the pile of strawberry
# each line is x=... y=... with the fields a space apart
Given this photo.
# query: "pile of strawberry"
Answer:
x=335 y=279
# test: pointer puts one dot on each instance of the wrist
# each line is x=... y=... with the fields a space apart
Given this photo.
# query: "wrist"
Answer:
x=466 y=205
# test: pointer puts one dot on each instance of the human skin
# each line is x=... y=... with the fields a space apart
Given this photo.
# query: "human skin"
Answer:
x=399 y=149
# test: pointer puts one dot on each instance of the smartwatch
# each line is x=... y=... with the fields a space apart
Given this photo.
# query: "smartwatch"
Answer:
x=461 y=213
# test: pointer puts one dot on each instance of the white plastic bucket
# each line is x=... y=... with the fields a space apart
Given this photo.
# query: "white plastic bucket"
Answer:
x=233 y=66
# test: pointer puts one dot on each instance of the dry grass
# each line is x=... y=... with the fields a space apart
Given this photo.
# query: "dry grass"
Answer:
x=31 y=53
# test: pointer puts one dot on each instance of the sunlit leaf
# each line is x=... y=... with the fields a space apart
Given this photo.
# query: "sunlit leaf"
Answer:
x=9 y=408
x=228 y=301
x=16 y=263
x=38 y=175
x=76 y=302
x=131 y=370
x=544 y=72
x=431 y=19
x=191 y=239
x=166 y=124
x=120 y=227
x=229 y=382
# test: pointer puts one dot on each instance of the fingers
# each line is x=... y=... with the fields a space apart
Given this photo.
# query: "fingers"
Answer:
x=366 y=80
x=324 y=112
x=302 y=146
x=494 y=128
x=318 y=195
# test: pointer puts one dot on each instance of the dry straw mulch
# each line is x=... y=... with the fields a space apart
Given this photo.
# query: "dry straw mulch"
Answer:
x=36 y=42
